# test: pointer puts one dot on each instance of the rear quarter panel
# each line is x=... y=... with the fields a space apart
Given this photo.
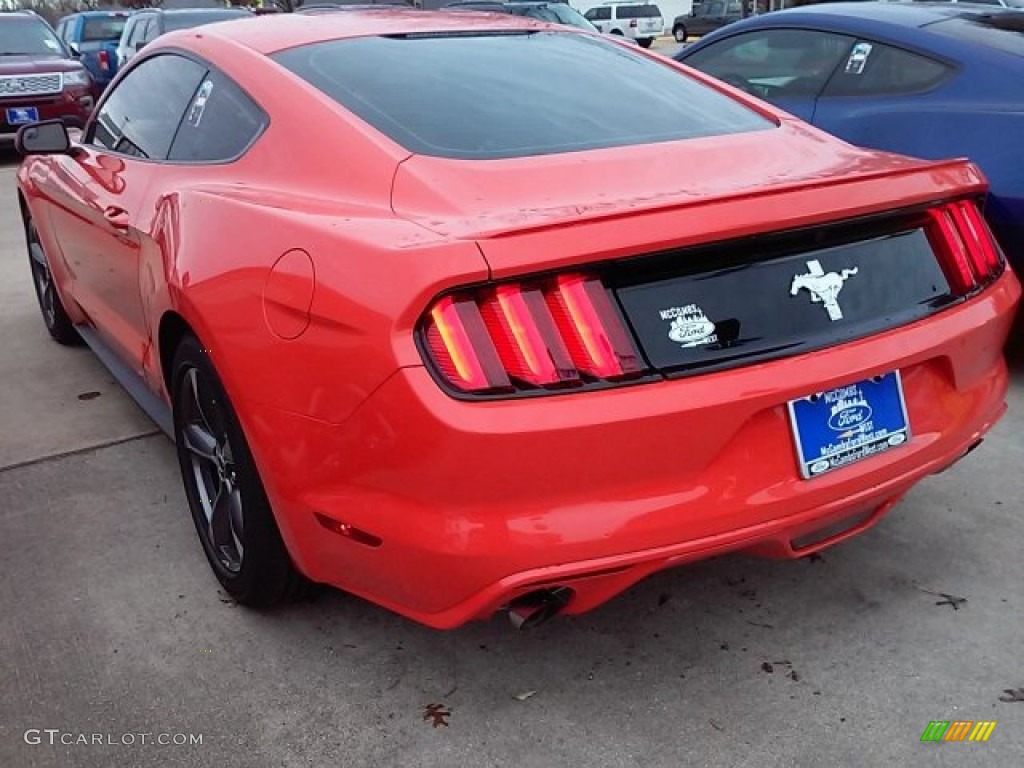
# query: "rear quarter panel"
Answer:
x=316 y=181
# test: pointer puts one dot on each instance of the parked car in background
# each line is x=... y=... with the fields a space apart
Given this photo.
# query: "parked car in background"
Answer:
x=554 y=12
x=464 y=355
x=145 y=26
x=1019 y=4
x=40 y=77
x=363 y=5
x=641 y=22
x=94 y=35
x=706 y=17
x=928 y=80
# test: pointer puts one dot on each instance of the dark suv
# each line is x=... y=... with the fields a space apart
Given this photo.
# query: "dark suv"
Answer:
x=40 y=79
x=706 y=17
x=145 y=26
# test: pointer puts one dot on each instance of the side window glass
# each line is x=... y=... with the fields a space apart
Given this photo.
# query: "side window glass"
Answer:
x=872 y=68
x=142 y=113
x=604 y=14
x=591 y=14
x=142 y=33
x=779 y=63
x=220 y=123
x=134 y=31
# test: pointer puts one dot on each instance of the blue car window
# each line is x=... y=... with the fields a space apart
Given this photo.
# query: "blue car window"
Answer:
x=101 y=29
x=775 y=63
x=875 y=69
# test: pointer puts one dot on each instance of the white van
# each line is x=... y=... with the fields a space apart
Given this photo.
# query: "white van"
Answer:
x=639 y=21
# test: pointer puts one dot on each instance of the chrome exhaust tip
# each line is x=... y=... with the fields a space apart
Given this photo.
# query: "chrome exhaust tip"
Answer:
x=533 y=609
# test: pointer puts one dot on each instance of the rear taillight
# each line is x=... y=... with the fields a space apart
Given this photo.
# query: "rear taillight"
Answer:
x=970 y=256
x=557 y=333
x=632 y=23
x=103 y=57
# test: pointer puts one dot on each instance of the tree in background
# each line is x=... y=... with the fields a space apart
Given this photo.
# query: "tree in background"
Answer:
x=54 y=10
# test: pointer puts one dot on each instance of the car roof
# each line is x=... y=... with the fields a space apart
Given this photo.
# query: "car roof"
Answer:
x=194 y=11
x=904 y=14
x=22 y=15
x=292 y=30
x=94 y=14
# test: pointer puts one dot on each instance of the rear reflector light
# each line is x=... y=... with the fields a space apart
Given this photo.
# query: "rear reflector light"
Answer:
x=969 y=254
x=348 y=531
x=563 y=332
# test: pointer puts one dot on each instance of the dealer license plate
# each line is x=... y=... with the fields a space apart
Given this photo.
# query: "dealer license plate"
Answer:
x=836 y=428
x=22 y=115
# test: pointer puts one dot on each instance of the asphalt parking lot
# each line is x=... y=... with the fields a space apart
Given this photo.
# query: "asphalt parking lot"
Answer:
x=113 y=623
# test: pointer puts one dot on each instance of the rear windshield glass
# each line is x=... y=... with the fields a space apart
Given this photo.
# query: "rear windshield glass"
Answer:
x=1002 y=31
x=639 y=12
x=103 y=29
x=514 y=95
x=188 y=20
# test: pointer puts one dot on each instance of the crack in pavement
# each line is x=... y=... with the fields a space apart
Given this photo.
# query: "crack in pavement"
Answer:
x=77 y=451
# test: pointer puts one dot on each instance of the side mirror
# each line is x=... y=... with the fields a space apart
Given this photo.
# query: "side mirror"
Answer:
x=49 y=137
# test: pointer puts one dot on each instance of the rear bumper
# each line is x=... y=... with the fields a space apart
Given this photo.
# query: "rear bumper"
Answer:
x=477 y=503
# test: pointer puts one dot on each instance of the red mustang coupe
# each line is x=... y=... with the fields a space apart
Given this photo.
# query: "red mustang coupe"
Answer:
x=465 y=313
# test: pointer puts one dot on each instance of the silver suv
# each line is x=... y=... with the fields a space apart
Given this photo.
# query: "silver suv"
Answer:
x=638 y=21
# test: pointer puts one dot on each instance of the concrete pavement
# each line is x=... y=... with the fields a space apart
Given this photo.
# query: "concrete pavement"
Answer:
x=113 y=625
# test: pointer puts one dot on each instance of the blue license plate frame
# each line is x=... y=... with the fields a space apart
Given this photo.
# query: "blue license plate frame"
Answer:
x=845 y=425
x=21 y=115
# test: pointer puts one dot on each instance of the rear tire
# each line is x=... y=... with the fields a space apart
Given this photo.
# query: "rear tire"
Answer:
x=645 y=42
x=679 y=33
x=229 y=505
x=58 y=324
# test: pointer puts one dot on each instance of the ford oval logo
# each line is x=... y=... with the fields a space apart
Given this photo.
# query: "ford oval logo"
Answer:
x=685 y=332
x=850 y=417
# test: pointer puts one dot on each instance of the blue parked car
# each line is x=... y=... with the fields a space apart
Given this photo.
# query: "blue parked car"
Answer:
x=931 y=80
x=94 y=35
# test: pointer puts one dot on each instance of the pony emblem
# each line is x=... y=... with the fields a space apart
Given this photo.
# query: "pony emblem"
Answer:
x=824 y=288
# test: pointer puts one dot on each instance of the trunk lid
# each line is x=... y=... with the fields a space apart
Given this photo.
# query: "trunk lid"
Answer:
x=718 y=252
x=763 y=180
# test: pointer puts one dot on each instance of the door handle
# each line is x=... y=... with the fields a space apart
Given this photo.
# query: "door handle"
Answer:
x=116 y=217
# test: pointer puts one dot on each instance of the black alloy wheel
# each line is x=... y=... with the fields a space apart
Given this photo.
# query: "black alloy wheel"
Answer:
x=229 y=505
x=58 y=324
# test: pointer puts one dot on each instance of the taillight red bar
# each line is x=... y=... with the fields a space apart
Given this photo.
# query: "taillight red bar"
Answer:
x=562 y=332
x=103 y=57
x=969 y=254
